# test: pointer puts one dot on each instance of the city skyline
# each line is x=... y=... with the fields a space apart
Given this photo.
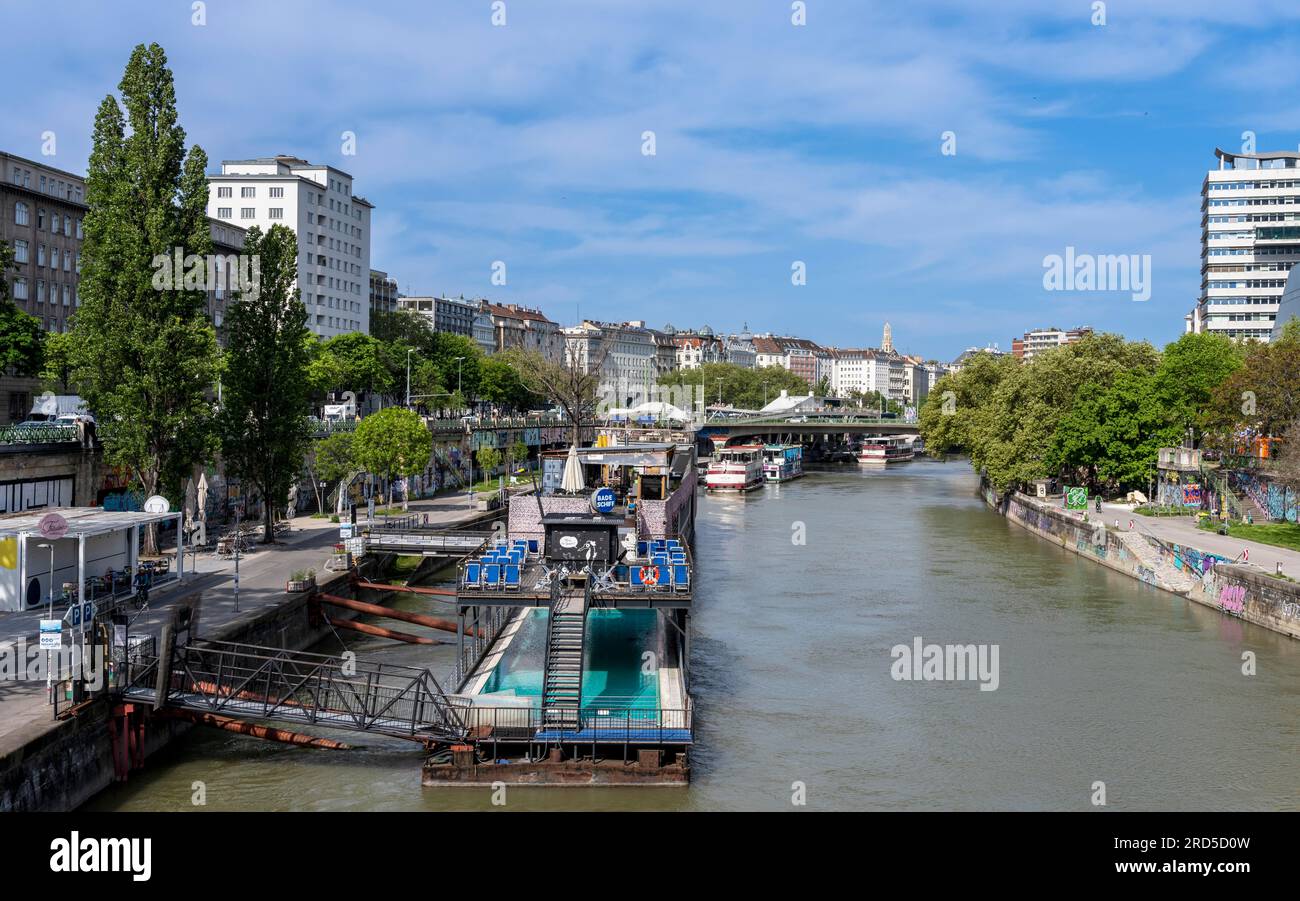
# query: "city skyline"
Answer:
x=801 y=149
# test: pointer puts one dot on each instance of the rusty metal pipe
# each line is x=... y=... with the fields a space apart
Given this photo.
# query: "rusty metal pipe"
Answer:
x=419 y=619
x=269 y=733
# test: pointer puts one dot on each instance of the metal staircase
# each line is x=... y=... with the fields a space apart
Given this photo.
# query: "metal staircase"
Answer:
x=562 y=676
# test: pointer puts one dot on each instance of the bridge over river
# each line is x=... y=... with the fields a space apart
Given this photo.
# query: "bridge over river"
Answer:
x=801 y=428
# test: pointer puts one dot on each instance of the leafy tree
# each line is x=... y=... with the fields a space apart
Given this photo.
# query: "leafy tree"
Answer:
x=352 y=362
x=1263 y=394
x=1190 y=371
x=263 y=423
x=391 y=443
x=489 y=458
x=743 y=388
x=56 y=370
x=21 y=337
x=144 y=355
x=335 y=459
x=518 y=453
x=443 y=349
x=401 y=327
x=500 y=384
x=823 y=386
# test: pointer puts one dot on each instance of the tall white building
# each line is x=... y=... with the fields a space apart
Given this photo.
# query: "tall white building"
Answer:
x=331 y=221
x=1250 y=238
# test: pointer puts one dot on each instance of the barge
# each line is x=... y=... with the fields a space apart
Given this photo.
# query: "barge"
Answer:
x=736 y=468
x=782 y=462
x=886 y=451
x=573 y=664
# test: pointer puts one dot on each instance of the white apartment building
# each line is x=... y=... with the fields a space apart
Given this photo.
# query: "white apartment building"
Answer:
x=869 y=369
x=627 y=356
x=332 y=224
x=1035 y=341
x=1250 y=238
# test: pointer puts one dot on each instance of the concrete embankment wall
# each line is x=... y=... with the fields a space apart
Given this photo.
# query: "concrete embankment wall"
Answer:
x=1241 y=591
x=62 y=768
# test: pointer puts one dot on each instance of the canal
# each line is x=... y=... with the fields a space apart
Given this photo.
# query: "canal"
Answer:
x=802 y=591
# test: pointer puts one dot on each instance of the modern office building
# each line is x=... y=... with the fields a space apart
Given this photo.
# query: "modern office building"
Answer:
x=1035 y=341
x=444 y=314
x=332 y=223
x=1250 y=238
x=383 y=292
x=41 y=213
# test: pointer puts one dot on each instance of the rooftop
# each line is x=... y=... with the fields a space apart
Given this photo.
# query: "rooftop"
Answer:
x=81 y=520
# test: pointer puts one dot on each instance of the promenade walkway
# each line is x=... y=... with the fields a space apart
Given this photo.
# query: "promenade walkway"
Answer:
x=1182 y=530
x=24 y=710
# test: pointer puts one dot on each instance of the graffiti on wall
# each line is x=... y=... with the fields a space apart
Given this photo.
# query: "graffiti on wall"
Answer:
x=1232 y=599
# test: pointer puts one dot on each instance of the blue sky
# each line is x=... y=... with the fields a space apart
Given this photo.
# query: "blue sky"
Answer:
x=774 y=143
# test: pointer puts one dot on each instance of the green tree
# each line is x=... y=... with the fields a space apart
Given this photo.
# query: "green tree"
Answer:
x=263 y=423
x=331 y=460
x=1190 y=371
x=489 y=458
x=500 y=384
x=740 y=387
x=22 y=341
x=353 y=362
x=518 y=453
x=568 y=384
x=56 y=370
x=392 y=443
x=1263 y=394
x=144 y=355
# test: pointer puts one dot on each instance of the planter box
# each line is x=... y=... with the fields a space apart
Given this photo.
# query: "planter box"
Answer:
x=295 y=586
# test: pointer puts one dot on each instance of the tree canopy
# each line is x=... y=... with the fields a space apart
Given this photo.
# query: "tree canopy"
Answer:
x=392 y=443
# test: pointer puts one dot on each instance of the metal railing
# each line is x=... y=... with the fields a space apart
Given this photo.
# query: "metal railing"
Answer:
x=38 y=434
x=596 y=722
x=293 y=686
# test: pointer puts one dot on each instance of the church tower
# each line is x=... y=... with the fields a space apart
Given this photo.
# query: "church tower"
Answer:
x=887 y=341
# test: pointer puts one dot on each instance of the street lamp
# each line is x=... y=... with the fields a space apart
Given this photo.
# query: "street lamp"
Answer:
x=409 y=351
x=49 y=675
x=458 y=391
x=719 y=392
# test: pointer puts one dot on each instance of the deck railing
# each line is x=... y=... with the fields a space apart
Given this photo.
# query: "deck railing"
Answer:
x=609 y=725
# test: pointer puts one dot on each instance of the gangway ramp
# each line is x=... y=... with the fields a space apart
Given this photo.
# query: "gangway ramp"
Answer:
x=335 y=692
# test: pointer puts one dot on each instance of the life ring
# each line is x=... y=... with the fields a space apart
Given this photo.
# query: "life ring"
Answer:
x=650 y=575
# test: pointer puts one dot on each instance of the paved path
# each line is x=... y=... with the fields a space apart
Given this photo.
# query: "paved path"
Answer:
x=1182 y=530
x=24 y=710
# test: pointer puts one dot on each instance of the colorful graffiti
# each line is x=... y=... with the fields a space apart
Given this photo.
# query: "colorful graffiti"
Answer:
x=1232 y=599
x=1191 y=495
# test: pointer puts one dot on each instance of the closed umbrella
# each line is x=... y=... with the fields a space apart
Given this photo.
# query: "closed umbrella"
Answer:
x=203 y=497
x=572 y=481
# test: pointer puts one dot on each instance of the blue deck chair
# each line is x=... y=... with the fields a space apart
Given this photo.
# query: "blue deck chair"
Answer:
x=642 y=549
x=634 y=577
x=533 y=546
x=473 y=573
x=681 y=577
x=492 y=576
x=659 y=559
x=512 y=576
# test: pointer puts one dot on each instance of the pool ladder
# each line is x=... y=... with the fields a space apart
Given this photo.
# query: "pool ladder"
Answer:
x=562 y=676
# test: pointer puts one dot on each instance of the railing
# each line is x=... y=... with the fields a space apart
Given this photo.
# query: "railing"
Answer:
x=38 y=434
x=298 y=687
x=606 y=724
x=321 y=428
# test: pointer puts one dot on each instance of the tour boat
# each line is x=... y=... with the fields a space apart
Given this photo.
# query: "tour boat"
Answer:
x=883 y=451
x=737 y=468
x=782 y=462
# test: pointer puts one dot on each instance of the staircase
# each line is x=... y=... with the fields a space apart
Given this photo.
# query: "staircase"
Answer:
x=562 y=676
x=1168 y=576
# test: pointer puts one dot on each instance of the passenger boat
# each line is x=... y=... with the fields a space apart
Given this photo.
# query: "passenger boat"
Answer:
x=883 y=451
x=782 y=462
x=737 y=468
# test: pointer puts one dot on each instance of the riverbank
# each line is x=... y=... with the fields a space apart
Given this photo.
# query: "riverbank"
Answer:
x=1205 y=575
x=58 y=765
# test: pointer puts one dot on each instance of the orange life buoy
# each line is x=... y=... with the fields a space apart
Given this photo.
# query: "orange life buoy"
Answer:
x=650 y=575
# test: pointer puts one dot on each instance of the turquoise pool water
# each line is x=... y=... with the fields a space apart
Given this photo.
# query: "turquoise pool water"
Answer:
x=612 y=664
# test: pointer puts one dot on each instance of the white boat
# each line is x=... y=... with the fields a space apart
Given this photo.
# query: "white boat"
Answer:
x=782 y=462
x=886 y=450
x=737 y=468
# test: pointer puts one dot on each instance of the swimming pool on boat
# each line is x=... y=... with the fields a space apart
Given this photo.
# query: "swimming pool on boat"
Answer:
x=612 y=674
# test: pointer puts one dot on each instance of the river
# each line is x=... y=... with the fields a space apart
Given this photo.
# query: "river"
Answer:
x=1100 y=679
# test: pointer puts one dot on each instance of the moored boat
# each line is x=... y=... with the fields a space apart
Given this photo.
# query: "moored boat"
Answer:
x=782 y=462
x=738 y=468
x=886 y=450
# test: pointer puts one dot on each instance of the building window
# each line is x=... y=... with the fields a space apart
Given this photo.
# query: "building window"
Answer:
x=40 y=291
x=223 y=192
x=40 y=219
x=21 y=214
x=67 y=261
x=248 y=192
x=277 y=192
x=247 y=212
x=79 y=231
x=276 y=212
x=66 y=295
x=40 y=254
x=54 y=224
x=224 y=212
x=20 y=251
x=20 y=288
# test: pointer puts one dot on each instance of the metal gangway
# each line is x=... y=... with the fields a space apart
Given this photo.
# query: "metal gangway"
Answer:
x=336 y=692
x=424 y=542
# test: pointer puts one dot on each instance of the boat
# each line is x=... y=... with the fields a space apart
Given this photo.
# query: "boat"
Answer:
x=886 y=450
x=738 y=468
x=782 y=462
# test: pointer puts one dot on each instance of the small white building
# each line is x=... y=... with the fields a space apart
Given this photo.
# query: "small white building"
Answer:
x=96 y=543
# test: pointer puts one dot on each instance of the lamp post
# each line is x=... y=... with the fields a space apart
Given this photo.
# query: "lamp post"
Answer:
x=458 y=391
x=409 y=351
x=719 y=392
x=49 y=675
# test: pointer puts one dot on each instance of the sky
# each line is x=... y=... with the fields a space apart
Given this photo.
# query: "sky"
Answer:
x=776 y=146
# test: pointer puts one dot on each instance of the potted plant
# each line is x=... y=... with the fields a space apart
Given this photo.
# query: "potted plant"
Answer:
x=301 y=580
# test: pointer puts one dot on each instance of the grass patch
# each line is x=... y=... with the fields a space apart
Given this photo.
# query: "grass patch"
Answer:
x=404 y=565
x=1156 y=510
x=1278 y=534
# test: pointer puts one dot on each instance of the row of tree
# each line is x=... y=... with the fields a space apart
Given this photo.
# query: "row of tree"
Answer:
x=1094 y=412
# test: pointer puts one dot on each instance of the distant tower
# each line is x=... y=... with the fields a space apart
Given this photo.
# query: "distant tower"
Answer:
x=887 y=341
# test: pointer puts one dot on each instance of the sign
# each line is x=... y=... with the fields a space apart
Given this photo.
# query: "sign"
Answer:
x=73 y=616
x=552 y=474
x=345 y=530
x=51 y=634
x=87 y=614
x=157 y=504
x=53 y=526
x=1076 y=498
x=603 y=500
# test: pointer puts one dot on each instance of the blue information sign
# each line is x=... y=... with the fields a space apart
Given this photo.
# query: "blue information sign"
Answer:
x=603 y=500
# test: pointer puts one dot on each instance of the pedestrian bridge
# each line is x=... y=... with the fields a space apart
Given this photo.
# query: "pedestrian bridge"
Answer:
x=334 y=692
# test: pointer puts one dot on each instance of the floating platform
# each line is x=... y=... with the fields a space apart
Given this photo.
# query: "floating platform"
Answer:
x=647 y=768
